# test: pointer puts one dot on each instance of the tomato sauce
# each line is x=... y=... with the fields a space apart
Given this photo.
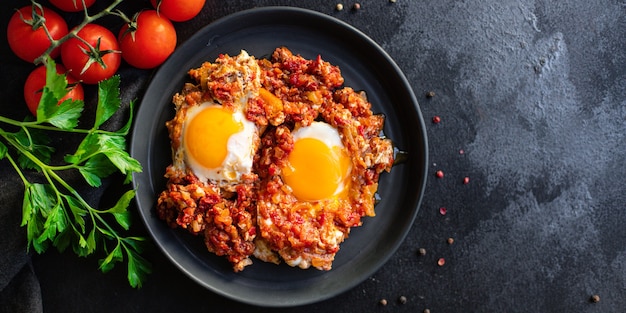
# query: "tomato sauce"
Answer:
x=260 y=216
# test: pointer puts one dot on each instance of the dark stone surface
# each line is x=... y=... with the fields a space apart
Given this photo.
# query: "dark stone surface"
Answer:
x=534 y=95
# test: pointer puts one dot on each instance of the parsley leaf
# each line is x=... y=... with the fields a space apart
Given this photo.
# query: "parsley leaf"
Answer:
x=64 y=115
x=35 y=142
x=109 y=100
x=96 y=168
x=3 y=150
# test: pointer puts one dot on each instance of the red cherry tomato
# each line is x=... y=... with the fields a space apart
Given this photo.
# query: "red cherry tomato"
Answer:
x=85 y=66
x=72 y=5
x=26 y=35
x=37 y=80
x=148 y=41
x=178 y=11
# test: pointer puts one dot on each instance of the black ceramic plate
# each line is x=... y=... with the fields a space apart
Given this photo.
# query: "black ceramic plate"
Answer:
x=365 y=66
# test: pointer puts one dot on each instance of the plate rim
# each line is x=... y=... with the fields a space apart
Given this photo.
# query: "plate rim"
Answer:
x=260 y=11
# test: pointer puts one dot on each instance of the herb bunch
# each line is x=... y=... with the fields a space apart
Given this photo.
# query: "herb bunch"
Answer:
x=53 y=212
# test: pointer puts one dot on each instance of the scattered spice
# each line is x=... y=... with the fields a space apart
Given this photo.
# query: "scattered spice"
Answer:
x=339 y=7
x=356 y=6
x=436 y=119
x=595 y=298
x=421 y=251
x=443 y=211
x=402 y=299
x=439 y=174
x=450 y=240
x=383 y=302
x=441 y=261
x=466 y=180
x=430 y=94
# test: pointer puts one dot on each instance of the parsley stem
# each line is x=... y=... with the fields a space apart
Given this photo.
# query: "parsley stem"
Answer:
x=39 y=125
x=26 y=182
x=17 y=169
x=21 y=148
x=46 y=171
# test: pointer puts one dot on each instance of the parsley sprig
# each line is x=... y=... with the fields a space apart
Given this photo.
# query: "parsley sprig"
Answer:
x=53 y=212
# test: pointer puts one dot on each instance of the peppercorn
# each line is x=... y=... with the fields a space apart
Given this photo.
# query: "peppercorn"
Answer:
x=450 y=240
x=595 y=298
x=402 y=299
x=426 y=311
x=436 y=119
x=466 y=180
x=441 y=261
x=356 y=6
x=392 y=1
x=439 y=174
x=383 y=302
x=430 y=94
x=443 y=211
x=339 y=7
x=421 y=251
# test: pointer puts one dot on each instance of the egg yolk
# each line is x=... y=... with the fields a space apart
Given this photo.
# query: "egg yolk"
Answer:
x=315 y=170
x=206 y=135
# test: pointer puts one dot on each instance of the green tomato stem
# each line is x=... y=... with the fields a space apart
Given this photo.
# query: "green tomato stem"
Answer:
x=54 y=43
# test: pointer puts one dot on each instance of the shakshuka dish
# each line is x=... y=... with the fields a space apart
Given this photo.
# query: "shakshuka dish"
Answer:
x=273 y=159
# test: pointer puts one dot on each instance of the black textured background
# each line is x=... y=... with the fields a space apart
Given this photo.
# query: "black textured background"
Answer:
x=532 y=100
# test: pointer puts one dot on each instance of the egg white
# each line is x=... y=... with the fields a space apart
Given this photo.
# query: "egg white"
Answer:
x=321 y=131
x=325 y=133
x=240 y=150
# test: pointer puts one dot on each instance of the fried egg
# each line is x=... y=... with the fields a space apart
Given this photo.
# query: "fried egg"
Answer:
x=218 y=144
x=318 y=167
x=317 y=174
x=211 y=136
